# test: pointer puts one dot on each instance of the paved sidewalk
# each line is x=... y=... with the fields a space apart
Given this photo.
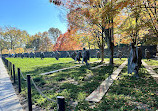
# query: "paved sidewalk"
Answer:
x=97 y=94
x=8 y=99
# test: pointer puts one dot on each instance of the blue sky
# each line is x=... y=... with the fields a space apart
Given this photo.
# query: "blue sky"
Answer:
x=31 y=15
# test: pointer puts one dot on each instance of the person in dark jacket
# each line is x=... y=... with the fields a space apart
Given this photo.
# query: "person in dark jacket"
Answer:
x=78 y=56
x=32 y=55
x=85 y=55
x=42 y=55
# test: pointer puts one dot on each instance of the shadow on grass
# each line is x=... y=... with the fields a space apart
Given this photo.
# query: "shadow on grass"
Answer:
x=89 y=86
x=69 y=90
x=41 y=69
x=129 y=93
x=156 y=70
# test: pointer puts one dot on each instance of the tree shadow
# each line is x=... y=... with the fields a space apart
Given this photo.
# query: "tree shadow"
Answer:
x=41 y=69
x=131 y=90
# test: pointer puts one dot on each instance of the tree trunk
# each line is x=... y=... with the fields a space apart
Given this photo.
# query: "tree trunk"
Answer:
x=102 y=53
x=102 y=46
x=89 y=46
x=111 y=53
x=110 y=46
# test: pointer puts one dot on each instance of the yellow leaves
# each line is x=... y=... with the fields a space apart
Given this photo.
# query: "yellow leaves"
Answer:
x=5 y=51
x=19 y=50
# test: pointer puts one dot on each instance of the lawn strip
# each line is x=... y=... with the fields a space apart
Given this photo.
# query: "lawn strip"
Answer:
x=51 y=72
x=128 y=93
x=97 y=94
x=153 y=64
x=73 y=84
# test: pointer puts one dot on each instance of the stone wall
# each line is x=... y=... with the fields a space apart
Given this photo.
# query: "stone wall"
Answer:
x=124 y=49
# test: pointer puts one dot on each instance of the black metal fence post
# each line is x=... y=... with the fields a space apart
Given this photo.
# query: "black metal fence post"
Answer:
x=7 y=63
x=61 y=103
x=29 y=92
x=11 y=70
x=10 y=66
x=14 y=73
x=19 y=81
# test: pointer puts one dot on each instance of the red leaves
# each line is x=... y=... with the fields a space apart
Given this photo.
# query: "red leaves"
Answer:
x=78 y=9
x=65 y=42
x=56 y=2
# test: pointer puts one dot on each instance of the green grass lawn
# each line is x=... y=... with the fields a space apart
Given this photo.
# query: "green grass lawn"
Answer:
x=128 y=94
x=74 y=84
x=153 y=64
x=37 y=66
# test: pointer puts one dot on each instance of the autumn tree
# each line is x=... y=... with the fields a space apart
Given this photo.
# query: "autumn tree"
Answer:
x=141 y=24
x=12 y=38
x=149 y=20
x=11 y=35
x=95 y=17
x=23 y=39
x=65 y=42
x=45 y=42
x=3 y=43
x=33 y=42
x=54 y=33
x=39 y=42
x=150 y=15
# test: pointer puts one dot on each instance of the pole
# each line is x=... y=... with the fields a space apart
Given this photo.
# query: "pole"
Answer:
x=29 y=92
x=7 y=64
x=19 y=81
x=11 y=72
x=61 y=103
x=14 y=73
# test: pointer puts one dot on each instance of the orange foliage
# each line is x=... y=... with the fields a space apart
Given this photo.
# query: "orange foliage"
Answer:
x=19 y=50
x=65 y=42
x=5 y=51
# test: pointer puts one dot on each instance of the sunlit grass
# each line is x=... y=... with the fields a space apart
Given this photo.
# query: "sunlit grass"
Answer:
x=153 y=64
x=37 y=66
x=128 y=93
x=74 y=84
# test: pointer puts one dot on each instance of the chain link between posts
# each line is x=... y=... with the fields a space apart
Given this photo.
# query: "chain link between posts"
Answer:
x=23 y=76
x=41 y=92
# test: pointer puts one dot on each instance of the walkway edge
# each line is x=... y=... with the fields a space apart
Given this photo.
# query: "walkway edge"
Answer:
x=97 y=94
x=150 y=70
x=8 y=98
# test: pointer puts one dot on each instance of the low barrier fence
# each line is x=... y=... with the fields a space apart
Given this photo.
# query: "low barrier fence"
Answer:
x=11 y=70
